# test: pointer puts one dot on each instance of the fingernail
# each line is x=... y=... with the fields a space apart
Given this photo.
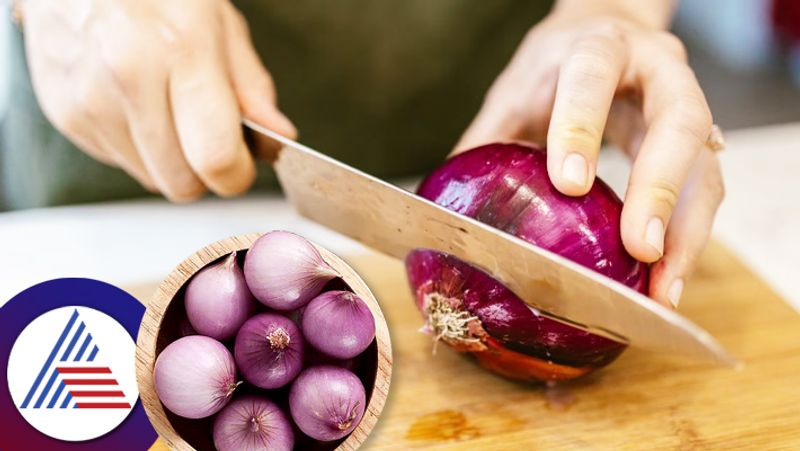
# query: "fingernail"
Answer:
x=654 y=235
x=574 y=169
x=674 y=293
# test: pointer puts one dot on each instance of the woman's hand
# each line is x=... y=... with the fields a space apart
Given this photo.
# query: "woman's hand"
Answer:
x=584 y=73
x=157 y=88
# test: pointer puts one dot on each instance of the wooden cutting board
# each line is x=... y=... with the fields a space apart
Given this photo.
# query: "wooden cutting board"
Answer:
x=643 y=400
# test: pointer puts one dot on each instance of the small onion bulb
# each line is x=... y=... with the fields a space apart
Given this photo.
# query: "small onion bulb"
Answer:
x=284 y=271
x=339 y=324
x=269 y=350
x=327 y=402
x=195 y=376
x=218 y=301
x=252 y=423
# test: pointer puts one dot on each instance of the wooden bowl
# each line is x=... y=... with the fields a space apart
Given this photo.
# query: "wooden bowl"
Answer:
x=161 y=326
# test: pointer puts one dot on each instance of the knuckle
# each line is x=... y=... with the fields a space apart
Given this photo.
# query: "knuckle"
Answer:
x=68 y=123
x=87 y=103
x=581 y=136
x=664 y=193
x=692 y=117
x=697 y=123
x=591 y=65
x=124 y=64
x=218 y=158
x=672 y=44
x=611 y=30
x=184 y=192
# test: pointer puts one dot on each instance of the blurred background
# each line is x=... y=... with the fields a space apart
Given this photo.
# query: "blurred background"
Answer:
x=746 y=54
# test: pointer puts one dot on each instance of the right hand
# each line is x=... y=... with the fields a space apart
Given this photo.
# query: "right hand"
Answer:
x=157 y=88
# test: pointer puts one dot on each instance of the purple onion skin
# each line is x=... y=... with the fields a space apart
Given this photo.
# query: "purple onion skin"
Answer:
x=339 y=324
x=507 y=186
x=269 y=350
x=195 y=376
x=252 y=423
x=284 y=271
x=327 y=402
x=218 y=301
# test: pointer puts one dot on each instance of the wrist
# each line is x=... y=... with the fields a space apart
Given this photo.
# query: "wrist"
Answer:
x=657 y=14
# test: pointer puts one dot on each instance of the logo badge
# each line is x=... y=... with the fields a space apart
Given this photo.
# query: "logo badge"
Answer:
x=68 y=346
x=57 y=365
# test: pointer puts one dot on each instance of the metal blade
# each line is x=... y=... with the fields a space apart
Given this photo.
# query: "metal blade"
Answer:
x=395 y=222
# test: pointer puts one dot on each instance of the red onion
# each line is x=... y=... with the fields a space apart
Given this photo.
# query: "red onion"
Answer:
x=327 y=402
x=284 y=271
x=218 y=301
x=252 y=423
x=269 y=350
x=339 y=324
x=506 y=186
x=195 y=376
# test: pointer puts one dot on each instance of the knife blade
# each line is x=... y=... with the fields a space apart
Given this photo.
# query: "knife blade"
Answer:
x=395 y=221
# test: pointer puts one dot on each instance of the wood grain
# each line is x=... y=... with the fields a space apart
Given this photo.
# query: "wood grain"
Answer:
x=151 y=339
x=642 y=401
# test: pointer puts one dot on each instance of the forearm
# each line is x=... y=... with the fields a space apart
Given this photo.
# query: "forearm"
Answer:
x=652 y=13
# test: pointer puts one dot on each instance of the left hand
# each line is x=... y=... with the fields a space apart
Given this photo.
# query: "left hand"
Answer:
x=582 y=74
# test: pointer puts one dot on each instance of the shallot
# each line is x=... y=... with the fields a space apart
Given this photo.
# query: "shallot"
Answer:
x=252 y=423
x=269 y=350
x=327 y=402
x=195 y=376
x=284 y=271
x=339 y=324
x=218 y=301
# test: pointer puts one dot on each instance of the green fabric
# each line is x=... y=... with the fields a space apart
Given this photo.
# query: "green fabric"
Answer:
x=386 y=86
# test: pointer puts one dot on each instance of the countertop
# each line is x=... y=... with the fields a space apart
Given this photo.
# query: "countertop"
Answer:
x=128 y=243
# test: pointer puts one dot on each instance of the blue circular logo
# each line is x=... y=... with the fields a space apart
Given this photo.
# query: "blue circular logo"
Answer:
x=67 y=347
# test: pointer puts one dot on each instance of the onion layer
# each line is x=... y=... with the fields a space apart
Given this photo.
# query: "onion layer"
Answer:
x=195 y=376
x=252 y=423
x=507 y=186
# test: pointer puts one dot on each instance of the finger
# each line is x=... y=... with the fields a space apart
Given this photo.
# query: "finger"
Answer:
x=116 y=141
x=153 y=133
x=587 y=83
x=679 y=122
x=207 y=117
x=688 y=230
x=253 y=84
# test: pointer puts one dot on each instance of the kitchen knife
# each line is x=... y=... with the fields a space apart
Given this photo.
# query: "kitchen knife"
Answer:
x=394 y=221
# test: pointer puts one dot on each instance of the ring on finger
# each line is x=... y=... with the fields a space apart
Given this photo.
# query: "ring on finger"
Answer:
x=716 y=139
